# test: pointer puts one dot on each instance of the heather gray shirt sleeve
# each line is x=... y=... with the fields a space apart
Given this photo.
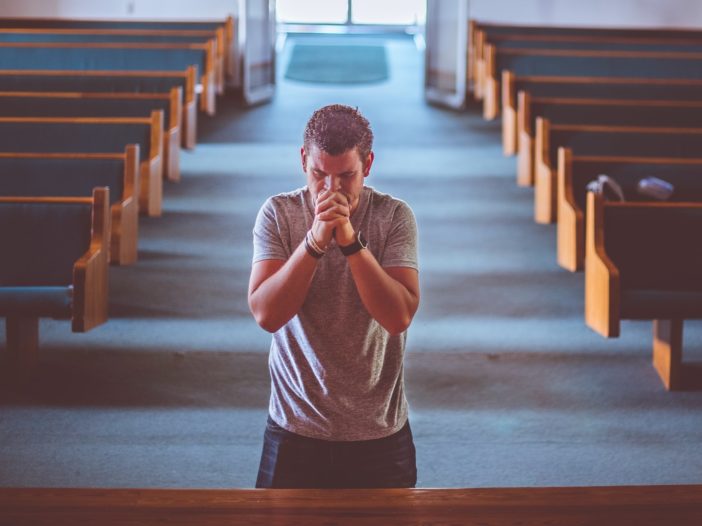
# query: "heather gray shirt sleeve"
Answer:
x=401 y=245
x=268 y=233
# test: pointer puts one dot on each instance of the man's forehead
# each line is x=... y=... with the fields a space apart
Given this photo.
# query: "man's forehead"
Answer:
x=319 y=157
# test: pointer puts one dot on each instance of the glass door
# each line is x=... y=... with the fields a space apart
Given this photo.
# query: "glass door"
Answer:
x=385 y=13
x=446 y=52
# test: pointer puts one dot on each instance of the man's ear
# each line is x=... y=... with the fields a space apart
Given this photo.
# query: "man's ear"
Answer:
x=303 y=158
x=368 y=163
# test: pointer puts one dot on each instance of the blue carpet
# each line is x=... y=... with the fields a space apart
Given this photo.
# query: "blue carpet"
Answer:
x=338 y=64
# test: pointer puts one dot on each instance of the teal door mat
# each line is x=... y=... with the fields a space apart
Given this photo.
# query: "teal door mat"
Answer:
x=338 y=64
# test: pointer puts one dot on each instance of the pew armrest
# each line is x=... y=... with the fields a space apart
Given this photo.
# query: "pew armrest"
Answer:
x=602 y=284
x=570 y=232
x=90 y=272
x=509 y=114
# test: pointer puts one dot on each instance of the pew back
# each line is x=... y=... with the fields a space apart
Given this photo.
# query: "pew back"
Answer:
x=95 y=135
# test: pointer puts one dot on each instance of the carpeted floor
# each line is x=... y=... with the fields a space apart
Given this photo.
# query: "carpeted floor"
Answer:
x=332 y=63
x=506 y=384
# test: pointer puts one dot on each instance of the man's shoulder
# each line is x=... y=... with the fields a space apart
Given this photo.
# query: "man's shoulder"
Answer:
x=383 y=201
x=286 y=200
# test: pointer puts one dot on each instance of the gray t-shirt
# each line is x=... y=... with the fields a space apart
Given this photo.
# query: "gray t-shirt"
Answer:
x=336 y=372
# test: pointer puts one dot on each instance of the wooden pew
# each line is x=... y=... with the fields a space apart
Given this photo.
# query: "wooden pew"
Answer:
x=577 y=87
x=621 y=42
x=574 y=173
x=75 y=175
x=74 y=104
x=482 y=33
x=95 y=81
x=224 y=29
x=54 y=264
x=52 y=35
x=116 y=57
x=95 y=135
x=668 y=113
x=643 y=261
x=585 y=63
x=586 y=139
x=680 y=505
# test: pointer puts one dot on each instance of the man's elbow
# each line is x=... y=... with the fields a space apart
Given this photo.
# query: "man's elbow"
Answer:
x=398 y=326
x=264 y=318
x=267 y=324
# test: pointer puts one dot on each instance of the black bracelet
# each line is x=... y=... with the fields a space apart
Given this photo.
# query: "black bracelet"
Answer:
x=312 y=252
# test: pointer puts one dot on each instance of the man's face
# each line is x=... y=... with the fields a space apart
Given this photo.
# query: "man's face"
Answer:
x=342 y=173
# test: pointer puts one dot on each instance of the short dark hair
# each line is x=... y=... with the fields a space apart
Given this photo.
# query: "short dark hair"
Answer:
x=337 y=128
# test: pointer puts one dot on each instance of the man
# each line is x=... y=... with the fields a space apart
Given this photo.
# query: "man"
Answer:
x=335 y=279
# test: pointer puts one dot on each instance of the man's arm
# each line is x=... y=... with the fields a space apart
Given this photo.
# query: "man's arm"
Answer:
x=390 y=295
x=277 y=289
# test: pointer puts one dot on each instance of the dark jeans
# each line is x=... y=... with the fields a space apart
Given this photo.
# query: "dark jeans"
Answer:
x=293 y=461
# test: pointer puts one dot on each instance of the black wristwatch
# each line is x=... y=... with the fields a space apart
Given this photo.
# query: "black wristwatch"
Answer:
x=354 y=247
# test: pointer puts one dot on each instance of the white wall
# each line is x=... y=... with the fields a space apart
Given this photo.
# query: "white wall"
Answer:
x=132 y=9
x=601 y=13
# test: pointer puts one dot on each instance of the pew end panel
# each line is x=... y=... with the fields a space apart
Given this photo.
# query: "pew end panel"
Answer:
x=491 y=85
x=602 y=290
x=544 y=178
x=525 y=141
x=479 y=69
x=90 y=273
x=171 y=139
x=151 y=171
x=208 y=81
x=125 y=213
x=509 y=114
x=190 y=110
x=223 y=52
x=229 y=45
x=570 y=242
x=667 y=352
x=219 y=67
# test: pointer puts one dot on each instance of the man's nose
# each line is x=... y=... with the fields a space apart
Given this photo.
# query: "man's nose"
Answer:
x=333 y=183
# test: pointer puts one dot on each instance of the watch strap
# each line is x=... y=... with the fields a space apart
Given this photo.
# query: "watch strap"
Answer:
x=359 y=244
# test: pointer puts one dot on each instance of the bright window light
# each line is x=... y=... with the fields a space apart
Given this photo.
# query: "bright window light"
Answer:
x=388 y=12
x=312 y=11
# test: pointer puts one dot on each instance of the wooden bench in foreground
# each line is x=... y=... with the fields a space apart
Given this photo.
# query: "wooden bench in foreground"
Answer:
x=643 y=261
x=54 y=264
x=568 y=506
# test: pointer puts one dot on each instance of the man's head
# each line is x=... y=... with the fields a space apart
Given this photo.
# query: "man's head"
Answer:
x=337 y=151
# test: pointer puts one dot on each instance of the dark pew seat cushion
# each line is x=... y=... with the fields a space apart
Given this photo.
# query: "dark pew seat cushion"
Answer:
x=54 y=302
